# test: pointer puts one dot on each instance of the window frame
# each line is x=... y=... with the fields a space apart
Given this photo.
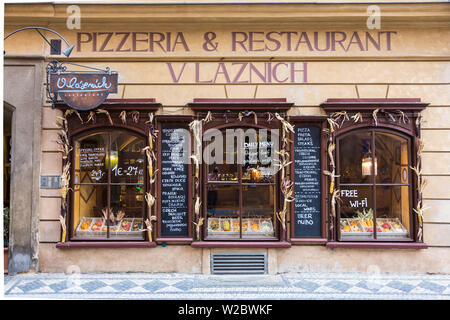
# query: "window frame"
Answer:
x=108 y=184
x=77 y=129
x=205 y=183
x=373 y=185
x=411 y=108
x=233 y=107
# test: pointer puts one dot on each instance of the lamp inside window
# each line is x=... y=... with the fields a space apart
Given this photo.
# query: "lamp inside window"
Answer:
x=366 y=165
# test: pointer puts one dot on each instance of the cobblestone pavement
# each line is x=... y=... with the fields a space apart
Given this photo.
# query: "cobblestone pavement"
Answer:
x=304 y=286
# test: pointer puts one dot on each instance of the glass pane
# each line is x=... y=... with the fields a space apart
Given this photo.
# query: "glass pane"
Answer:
x=128 y=205
x=392 y=158
x=258 y=211
x=354 y=158
x=127 y=158
x=89 y=200
x=259 y=152
x=393 y=212
x=222 y=162
x=90 y=156
x=356 y=209
x=223 y=211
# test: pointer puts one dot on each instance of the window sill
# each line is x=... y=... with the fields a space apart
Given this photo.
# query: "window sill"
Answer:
x=105 y=244
x=378 y=245
x=240 y=244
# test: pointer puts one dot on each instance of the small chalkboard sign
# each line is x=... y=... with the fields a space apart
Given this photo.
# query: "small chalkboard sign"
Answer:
x=307 y=181
x=174 y=182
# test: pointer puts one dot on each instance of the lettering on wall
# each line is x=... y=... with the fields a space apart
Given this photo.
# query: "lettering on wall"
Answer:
x=242 y=43
x=236 y=41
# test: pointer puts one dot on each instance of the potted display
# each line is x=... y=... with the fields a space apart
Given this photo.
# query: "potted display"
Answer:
x=5 y=237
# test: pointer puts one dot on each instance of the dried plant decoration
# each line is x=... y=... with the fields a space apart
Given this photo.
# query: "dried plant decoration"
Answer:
x=65 y=178
x=70 y=112
x=208 y=117
x=148 y=223
x=333 y=124
x=249 y=113
x=374 y=115
x=62 y=220
x=340 y=115
x=357 y=117
x=135 y=116
x=283 y=164
x=270 y=117
x=123 y=117
x=91 y=117
x=198 y=225
x=120 y=215
x=103 y=111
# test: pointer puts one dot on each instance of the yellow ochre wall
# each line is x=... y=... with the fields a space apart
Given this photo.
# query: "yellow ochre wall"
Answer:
x=416 y=66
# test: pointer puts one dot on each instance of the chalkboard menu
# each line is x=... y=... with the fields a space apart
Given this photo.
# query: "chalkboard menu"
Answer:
x=307 y=181
x=174 y=183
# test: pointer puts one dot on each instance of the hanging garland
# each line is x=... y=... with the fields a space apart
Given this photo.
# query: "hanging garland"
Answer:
x=196 y=128
x=287 y=186
x=421 y=182
x=337 y=120
x=65 y=149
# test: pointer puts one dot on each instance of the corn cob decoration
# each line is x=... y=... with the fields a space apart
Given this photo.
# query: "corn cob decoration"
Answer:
x=196 y=128
x=287 y=186
x=151 y=160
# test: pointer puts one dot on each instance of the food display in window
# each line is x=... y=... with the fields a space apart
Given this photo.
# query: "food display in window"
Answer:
x=125 y=225
x=137 y=225
x=97 y=224
x=214 y=225
x=352 y=226
x=364 y=226
x=226 y=225
x=244 y=225
x=231 y=226
x=254 y=225
x=84 y=225
x=99 y=227
x=235 y=225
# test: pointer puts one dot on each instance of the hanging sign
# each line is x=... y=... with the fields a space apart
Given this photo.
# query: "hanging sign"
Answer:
x=83 y=91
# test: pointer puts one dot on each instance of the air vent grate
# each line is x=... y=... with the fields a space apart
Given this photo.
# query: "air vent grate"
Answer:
x=238 y=263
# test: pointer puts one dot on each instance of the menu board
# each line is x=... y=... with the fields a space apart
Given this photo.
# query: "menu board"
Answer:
x=174 y=183
x=92 y=160
x=307 y=181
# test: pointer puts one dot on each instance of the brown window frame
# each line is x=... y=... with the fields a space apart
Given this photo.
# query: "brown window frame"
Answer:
x=75 y=130
x=373 y=185
x=411 y=107
x=231 y=107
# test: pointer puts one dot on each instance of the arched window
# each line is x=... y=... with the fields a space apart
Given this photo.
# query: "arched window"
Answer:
x=108 y=185
x=375 y=150
x=375 y=185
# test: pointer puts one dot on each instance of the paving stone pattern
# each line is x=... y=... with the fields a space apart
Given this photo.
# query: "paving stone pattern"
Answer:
x=305 y=286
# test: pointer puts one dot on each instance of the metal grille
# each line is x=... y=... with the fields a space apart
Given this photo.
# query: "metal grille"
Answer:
x=238 y=263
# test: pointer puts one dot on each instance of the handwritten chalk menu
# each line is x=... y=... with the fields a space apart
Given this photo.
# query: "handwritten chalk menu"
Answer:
x=307 y=182
x=174 y=184
x=92 y=161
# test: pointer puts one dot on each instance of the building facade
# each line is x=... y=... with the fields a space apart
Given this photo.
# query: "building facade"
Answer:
x=338 y=159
